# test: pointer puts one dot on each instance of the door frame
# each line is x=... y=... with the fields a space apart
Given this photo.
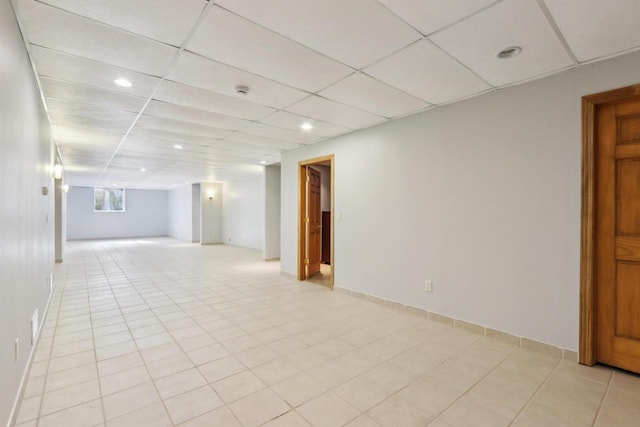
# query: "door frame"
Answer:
x=302 y=200
x=588 y=295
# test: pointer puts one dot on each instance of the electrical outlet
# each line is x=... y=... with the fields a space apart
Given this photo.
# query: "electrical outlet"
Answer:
x=16 y=349
x=428 y=286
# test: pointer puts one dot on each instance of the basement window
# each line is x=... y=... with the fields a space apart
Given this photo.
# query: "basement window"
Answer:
x=108 y=200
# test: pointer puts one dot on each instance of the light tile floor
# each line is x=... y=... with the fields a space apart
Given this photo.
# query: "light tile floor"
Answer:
x=157 y=332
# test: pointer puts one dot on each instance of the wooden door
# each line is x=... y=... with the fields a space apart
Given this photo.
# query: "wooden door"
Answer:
x=314 y=222
x=617 y=245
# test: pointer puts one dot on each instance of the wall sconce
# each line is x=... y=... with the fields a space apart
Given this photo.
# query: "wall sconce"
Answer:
x=65 y=188
x=57 y=171
x=211 y=194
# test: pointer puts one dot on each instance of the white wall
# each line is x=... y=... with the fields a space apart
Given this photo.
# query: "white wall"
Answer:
x=195 y=213
x=145 y=215
x=26 y=214
x=244 y=212
x=271 y=244
x=482 y=197
x=211 y=216
x=180 y=202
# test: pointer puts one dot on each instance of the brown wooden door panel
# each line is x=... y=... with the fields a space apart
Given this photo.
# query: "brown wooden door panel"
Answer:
x=617 y=253
x=314 y=222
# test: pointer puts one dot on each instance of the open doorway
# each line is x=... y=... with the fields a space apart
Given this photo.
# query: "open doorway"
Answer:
x=316 y=262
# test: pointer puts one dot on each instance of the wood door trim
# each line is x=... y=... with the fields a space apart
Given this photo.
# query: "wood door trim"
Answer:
x=302 y=195
x=590 y=104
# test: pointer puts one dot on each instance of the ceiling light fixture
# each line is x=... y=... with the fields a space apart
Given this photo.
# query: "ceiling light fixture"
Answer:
x=509 y=52
x=57 y=171
x=123 y=82
x=263 y=162
x=242 y=89
x=178 y=147
x=306 y=126
x=143 y=170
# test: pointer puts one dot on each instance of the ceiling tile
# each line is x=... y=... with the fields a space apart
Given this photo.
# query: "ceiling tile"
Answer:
x=428 y=73
x=233 y=40
x=70 y=68
x=159 y=123
x=428 y=16
x=261 y=141
x=292 y=121
x=115 y=125
x=141 y=16
x=596 y=28
x=204 y=73
x=476 y=42
x=190 y=115
x=200 y=99
x=299 y=136
x=90 y=111
x=368 y=94
x=88 y=95
x=79 y=136
x=63 y=31
x=332 y=112
x=354 y=32
x=159 y=138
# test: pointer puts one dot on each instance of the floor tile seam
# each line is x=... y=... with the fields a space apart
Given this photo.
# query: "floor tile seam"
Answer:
x=466 y=392
x=536 y=392
x=603 y=400
x=46 y=375
x=143 y=364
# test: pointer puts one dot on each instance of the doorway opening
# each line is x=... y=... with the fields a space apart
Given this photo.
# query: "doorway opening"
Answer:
x=316 y=261
x=610 y=235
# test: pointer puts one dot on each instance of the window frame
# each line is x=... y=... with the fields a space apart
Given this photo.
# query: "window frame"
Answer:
x=106 y=189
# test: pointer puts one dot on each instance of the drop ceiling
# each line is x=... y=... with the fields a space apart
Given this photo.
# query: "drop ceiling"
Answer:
x=338 y=65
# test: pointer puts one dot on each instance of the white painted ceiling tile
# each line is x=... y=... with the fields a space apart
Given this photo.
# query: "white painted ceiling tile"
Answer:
x=368 y=94
x=299 y=136
x=354 y=32
x=85 y=136
x=597 y=28
x=204 y=73
x=261 y=141
x=74 y=69
x=292 y=121
x=476 y=42
x=431 y=15
x=119 y=125
x=233 y=40
x=428 y=73
x=168 y=21
x=190 y=115
x=63 y=31
x=333 y=112
x=89 y=95
x=94 y=112
x=159 y=123
x=200 y=99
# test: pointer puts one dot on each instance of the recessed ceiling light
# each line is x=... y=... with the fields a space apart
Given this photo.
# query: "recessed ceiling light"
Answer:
x=143 y=170
x=123 y=82
x=263 y=162
x=509 y=52
x=306 y=126
x=178 y=147
x=242 y=89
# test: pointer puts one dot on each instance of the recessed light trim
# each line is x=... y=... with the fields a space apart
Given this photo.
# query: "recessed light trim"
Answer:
x=509 y=52
x=263 y=162
x=178 y=147
x=123 y=82
x=306 y=126
x=143 y=170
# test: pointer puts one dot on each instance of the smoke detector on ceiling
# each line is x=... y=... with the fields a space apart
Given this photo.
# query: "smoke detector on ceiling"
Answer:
x=242 y=89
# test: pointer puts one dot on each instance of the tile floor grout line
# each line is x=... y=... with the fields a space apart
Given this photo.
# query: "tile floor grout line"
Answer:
x=604 y=398
x=536 y=392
